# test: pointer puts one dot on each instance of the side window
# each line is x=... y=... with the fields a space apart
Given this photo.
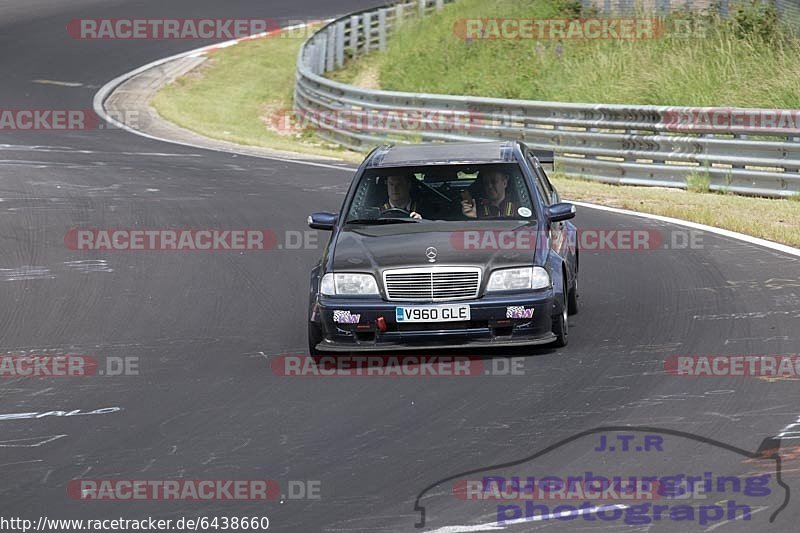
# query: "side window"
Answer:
x=553 y=192
x=544 y=191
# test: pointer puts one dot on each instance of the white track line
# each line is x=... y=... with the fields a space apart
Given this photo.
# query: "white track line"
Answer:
x=101 y=96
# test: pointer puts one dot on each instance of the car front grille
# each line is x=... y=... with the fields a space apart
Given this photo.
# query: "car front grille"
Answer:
x=432 y=284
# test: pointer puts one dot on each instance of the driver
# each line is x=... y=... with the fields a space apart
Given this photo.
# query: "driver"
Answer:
x=495 y=202
x=399 y=189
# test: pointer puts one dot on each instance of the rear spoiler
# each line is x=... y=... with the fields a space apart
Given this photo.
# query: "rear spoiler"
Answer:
x=545 y=157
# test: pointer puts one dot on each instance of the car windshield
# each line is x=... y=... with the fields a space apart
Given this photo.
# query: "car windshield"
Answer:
x=441 y=192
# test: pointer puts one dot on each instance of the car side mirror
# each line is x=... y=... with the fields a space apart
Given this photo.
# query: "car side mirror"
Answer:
x=324 y=221
x=560 y=211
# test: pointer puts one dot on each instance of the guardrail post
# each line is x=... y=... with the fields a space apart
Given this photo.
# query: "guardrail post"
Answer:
x=422 y=7
x=330 y=42
x=439 y=5
x=354 y=35
x=398 y=14
x=321 y=56
x=382 y=30
x=367 y=31
x=308 y=55
x=339 y=44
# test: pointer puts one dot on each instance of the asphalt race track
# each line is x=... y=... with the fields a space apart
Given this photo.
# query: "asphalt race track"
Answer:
x=204 y=326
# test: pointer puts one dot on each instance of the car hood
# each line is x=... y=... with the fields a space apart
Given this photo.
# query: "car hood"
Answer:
x=376 y=248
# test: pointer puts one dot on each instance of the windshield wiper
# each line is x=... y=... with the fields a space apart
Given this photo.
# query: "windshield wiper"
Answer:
x=376 y=221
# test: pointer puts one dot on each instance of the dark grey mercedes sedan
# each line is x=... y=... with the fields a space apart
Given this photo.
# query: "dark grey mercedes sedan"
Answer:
x=445 y=245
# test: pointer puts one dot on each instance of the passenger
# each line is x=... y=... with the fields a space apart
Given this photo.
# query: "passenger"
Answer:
x=494 y=202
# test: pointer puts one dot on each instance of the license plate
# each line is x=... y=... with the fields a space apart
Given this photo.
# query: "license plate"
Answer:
x=437 y=313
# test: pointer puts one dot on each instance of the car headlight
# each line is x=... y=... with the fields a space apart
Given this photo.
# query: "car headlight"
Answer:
x=510 y=279
x=348 y=284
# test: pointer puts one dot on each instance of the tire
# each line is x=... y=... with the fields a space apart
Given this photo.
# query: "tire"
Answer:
x=314 y=338
x=572 y=299
x=561 y=324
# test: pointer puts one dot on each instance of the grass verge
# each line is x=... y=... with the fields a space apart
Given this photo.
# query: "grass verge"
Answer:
x=242 y=94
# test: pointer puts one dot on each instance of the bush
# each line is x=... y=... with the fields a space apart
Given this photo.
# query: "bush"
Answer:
x=756 y=18
x=569 y=8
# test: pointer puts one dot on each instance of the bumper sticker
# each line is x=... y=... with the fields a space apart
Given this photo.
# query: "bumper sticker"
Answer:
x=344 y=317
x=519 y=311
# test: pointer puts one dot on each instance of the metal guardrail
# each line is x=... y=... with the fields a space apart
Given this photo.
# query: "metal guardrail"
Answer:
x=623 y=144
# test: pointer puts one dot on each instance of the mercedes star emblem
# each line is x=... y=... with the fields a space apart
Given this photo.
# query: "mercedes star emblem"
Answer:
x=431 y=254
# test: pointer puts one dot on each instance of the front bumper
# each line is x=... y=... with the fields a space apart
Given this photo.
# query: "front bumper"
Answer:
x=489 y=324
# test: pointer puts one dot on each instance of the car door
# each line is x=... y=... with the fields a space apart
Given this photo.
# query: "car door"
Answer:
x=549 y=197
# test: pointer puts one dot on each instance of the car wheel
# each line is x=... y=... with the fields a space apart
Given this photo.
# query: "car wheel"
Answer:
x=572 y=307
x=560 y=324
x=314 y=338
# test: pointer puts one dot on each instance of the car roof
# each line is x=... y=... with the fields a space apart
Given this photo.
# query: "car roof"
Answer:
x=401 y=155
